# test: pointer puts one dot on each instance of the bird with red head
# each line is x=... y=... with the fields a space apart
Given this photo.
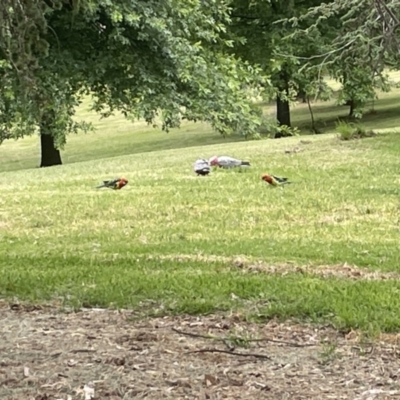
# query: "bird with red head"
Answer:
x=274 y=180
x=115 y=184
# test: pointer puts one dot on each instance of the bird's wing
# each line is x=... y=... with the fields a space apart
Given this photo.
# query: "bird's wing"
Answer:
x=104 y=184
x=201 y=164
x=279 y=179
x=226 y=161
x=110 y=183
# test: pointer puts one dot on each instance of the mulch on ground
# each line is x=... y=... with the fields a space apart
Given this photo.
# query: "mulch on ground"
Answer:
x=47 y=354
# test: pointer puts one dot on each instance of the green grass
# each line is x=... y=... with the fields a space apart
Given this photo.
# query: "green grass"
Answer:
x=379 y=115
x=166 y=243
x=112 y=137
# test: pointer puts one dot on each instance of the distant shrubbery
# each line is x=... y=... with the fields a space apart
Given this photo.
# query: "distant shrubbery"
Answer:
x=350 y=131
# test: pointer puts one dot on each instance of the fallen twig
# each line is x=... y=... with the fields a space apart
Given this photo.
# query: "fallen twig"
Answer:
x=293 y=344
x=225 y=339
x=82 y=351
x=232 y=353
x=196 y=335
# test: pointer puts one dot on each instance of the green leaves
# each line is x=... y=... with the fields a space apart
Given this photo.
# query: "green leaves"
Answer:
x=148 y=59
x=272 y=43
x=364 y=41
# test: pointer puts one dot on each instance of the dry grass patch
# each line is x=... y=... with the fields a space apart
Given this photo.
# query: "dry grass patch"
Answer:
x=247 y=264
x=326 y=271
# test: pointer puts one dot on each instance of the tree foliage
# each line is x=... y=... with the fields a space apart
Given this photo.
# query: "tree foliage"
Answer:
x=164 y=61
x=364 y=43
x=367 y=28
x=155 y=60
x=269 y=42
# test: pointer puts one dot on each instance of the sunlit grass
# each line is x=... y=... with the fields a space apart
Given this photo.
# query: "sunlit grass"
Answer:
x=63 y=239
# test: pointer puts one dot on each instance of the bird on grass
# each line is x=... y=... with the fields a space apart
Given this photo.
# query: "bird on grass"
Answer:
x=115 y=184
x=274 y=180
x=227 y=162
x=201 y=167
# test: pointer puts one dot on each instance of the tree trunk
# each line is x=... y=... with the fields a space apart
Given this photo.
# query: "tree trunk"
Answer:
x=313 y=127
x=50 y=154
x=352 y=105
x=301 y=95
x=282 y=106
x=282 y=111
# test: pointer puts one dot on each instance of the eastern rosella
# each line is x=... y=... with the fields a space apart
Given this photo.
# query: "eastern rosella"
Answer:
x=274 y=180
x=201 y=167
x=227 y=162
x=115 y=184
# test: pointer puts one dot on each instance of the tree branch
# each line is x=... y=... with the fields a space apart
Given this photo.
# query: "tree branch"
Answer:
x=224 y=339
x=232 y=353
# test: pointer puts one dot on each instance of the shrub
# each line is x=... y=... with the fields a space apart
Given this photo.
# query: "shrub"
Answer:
x=351 y=131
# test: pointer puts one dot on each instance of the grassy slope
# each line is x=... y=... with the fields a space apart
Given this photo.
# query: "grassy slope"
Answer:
x=61 y=238
x=115 y=136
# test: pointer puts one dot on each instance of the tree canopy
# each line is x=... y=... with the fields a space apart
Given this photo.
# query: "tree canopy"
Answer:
x=269 y=42
x=365 y=42
x=148 y=59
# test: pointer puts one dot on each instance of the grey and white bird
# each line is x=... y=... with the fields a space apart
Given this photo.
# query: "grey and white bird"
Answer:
x=201 y=167
x=227 y=162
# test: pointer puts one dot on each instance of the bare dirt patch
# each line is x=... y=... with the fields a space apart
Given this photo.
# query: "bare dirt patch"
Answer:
x=103 y=354
x=344 y=271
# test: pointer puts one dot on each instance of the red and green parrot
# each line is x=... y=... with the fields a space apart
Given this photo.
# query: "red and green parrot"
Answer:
x=274 y=180
x=115 y=184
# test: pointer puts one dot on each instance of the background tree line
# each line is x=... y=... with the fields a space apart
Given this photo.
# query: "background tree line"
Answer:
x=199 y=60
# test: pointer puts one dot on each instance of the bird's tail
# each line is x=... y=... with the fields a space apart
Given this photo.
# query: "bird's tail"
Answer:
x=285 y=183
x=245 y=163
x=104 y=184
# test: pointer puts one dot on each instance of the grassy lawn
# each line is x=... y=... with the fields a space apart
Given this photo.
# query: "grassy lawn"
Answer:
x=167 y=243
x=112 y=137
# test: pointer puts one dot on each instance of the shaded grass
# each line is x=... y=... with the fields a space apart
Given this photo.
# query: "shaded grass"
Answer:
x=379 y=115
x=118 y=137
x=112 y=137
x=204 y=288
x=61 y=238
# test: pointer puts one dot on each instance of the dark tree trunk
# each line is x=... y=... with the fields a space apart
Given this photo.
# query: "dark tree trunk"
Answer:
x=282 y=106
x=50 y=154
x=282 y=111
x=352 y=105
x=301 y=95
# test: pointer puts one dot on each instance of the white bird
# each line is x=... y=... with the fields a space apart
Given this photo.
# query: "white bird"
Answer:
x=227 y=162
x=201 y=167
